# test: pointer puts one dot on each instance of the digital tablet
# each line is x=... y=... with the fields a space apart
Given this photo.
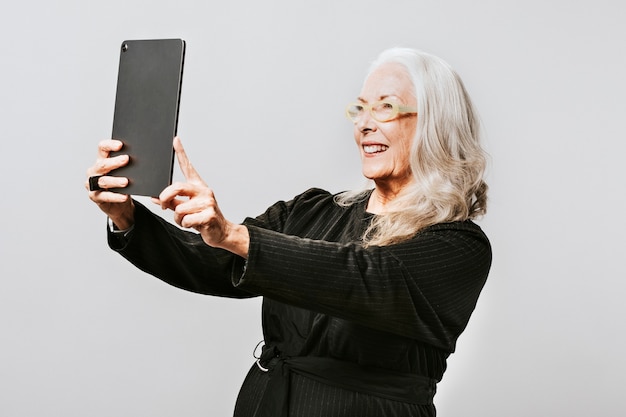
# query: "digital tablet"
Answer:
x=146 y=112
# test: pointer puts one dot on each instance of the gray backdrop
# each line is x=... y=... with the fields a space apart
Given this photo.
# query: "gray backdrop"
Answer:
x=82 y=333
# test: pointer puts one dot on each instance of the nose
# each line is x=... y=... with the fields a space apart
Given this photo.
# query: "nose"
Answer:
x=365 y=123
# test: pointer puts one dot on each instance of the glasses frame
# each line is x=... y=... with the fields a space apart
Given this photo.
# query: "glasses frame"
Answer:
x=396 y=110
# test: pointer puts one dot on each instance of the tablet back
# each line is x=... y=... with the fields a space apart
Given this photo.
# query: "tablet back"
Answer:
x=146 y=112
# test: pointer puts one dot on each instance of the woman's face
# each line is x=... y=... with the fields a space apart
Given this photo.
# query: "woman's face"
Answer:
x=385 y=146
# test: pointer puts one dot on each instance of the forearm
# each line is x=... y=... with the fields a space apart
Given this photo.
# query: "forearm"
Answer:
x=425 y=289
x=345 y=281
x=179 y=257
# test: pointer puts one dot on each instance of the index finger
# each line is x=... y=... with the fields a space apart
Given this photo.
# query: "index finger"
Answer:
x=187 y=169
x=107 y=146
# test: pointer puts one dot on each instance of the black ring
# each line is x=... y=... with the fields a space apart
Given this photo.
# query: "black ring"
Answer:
x=93 y=183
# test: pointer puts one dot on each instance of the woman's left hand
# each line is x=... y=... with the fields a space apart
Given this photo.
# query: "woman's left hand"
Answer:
x=195 y=206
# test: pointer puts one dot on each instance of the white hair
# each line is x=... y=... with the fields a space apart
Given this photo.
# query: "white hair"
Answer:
x=447 y=161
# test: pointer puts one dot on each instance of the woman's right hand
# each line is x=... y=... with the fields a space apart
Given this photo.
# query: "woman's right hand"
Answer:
x=119 y=207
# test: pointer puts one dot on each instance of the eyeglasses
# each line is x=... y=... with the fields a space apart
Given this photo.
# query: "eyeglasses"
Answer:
x=381 y=111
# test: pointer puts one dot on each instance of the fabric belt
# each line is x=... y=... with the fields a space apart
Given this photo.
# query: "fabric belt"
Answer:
x=396 y=386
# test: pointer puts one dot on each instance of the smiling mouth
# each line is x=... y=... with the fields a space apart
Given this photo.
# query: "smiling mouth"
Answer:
x=373 y=149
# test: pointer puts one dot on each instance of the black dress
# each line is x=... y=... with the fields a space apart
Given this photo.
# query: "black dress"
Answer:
x=348 y=331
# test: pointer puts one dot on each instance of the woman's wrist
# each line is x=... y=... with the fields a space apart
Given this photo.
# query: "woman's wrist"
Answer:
x=237 y=240
x=124 y=220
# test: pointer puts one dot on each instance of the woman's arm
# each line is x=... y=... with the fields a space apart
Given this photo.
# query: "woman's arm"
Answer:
x=425 y=288
x=178 y=257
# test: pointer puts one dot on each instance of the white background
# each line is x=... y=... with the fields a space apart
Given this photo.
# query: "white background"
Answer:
x=83 y=333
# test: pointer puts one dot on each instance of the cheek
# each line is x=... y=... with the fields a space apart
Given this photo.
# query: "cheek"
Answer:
x=400 y=137
x=408 y=135
x=404 y=141
x=357 y=135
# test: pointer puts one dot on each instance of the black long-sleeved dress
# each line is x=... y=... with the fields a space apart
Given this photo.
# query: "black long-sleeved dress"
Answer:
x=349 y=331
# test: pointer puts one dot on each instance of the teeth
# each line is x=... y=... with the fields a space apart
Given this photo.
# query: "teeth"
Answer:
x=375 y=148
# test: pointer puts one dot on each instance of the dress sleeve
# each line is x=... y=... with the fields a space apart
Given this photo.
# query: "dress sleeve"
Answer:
x=425 y=288
x=178 y=257
x=182 y=259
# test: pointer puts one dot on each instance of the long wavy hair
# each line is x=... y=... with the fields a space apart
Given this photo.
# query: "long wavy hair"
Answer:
x=447 y=160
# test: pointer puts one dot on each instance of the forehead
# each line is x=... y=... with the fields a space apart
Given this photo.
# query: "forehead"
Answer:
x=389 y=79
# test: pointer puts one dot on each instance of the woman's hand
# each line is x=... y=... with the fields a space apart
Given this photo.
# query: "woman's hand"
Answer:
x=119 y=207
x=195 y=206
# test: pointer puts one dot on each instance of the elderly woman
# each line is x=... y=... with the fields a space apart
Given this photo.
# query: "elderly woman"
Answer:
x=364 y=293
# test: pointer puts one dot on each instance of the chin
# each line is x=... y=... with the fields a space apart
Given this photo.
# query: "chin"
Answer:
x=373 y=177
x=373 y=173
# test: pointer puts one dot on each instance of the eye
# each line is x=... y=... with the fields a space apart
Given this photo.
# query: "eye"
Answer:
x=355 y=109
x=383 y=107
x=384 y=111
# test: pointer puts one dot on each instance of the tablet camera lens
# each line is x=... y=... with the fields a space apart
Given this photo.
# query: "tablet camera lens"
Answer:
x=125 y=47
